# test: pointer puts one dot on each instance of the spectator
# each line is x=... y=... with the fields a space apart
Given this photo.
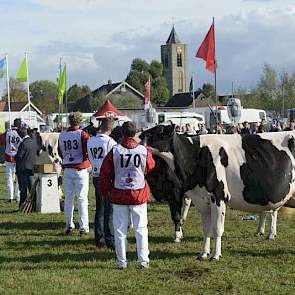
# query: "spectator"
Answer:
x=275 y=126
x=290 y=127
x=245 y=129
x=189 y=130
x=25 y=160
x=202 y=129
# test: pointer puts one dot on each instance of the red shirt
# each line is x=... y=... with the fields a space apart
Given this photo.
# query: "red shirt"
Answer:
x=84 y=138
x=107 y=177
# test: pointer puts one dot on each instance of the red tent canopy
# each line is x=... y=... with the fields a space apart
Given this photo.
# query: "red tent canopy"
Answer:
x=108 y=110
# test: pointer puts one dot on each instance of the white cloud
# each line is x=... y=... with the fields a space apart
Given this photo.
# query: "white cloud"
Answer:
x=99 y=39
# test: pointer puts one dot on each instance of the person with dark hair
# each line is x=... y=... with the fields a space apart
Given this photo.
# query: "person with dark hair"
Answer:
x=72 y=148
x=245 y=129
x=25 y=160
x=122 y=182
x=11 y=145
x=98 y=147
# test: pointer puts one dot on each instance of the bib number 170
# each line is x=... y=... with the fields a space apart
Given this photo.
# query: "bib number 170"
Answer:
x=125 y=160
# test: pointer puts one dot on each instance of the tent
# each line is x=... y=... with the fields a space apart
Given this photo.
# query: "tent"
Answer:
x=108 y=110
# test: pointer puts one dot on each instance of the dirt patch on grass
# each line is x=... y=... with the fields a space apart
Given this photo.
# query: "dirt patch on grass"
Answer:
x=192 y=274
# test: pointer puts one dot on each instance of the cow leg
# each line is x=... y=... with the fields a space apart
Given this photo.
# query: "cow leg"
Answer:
x=273 y=225
x=261 y=224
x=175 y=211
x=217 y=220
x=206 y=222
x=186 y=205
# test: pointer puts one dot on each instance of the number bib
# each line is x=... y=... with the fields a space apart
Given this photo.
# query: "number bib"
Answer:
x=13 y=141
x=129 y=167
x=70 y=145
x=97 y=148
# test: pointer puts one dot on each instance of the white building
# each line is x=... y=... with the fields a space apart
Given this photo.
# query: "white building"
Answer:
x=34 y=117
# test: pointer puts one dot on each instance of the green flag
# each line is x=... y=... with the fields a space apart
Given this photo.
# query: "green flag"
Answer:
x=21 y=75
x=61 y=86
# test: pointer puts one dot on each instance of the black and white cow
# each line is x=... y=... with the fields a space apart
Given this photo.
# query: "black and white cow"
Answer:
x=252 y=173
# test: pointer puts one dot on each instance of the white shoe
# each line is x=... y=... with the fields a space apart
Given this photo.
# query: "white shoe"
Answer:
x=144 y=265
x=122 y=266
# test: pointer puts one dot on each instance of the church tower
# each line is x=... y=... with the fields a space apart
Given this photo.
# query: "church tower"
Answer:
x=173 y=58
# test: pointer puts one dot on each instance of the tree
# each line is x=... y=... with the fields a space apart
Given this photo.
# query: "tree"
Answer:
x=43 y=95
x=18 y=91
x=75 y=92
x=208 y=89
x=140 y=72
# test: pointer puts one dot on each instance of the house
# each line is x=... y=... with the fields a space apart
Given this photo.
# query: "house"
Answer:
x=122 y=92
x=185 y=100
x=20 y=109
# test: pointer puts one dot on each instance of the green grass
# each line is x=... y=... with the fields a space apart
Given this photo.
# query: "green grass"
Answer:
x=36 y=258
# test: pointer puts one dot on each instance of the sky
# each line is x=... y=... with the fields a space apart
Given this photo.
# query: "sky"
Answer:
x=99 y=39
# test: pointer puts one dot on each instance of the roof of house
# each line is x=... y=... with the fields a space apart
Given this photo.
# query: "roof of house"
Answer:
x=186 y=100
x=106 y=88
x=173 y=38
x=17 y=106
x=110 y=88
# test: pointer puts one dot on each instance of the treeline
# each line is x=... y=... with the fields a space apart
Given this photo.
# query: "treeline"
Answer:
x=273 y=92
x=43 y=92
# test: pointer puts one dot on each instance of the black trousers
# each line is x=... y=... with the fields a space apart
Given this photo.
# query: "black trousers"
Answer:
x=24 y=183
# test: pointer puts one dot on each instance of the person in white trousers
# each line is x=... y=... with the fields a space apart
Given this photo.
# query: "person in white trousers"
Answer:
x=72 y=148
x=122 y=182
x=12 y=142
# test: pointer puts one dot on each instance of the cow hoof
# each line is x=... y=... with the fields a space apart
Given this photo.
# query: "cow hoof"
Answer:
x=259 y=234
x=272 y=237
x=214 y=258
x=178 y=236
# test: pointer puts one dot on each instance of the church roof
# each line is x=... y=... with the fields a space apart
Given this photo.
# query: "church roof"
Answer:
x=173 y=38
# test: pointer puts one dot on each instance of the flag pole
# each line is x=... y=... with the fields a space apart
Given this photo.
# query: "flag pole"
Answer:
x=59 y=105
x=8 y=90
x=215 y=78
x=28 y=87
x=193 y=79
x=66 y=95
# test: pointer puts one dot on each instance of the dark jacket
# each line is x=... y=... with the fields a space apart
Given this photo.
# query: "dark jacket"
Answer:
x=26 y=155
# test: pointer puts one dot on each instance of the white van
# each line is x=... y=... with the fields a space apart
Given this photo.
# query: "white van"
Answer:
x=180 y=118
x=249 y=115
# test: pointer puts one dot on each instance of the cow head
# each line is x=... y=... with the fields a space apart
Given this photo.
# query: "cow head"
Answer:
x=159 y=137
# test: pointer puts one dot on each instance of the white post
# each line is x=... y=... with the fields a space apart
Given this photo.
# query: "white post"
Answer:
x=8 y=90
x=28 y=88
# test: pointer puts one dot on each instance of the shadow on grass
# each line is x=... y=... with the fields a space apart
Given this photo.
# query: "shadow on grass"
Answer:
x=169 y=239
x=96 y=255
x=33 y=225
x=265 y=253
x=51 y=243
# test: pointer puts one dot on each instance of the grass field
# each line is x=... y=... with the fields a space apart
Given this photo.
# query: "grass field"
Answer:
x=36 y=258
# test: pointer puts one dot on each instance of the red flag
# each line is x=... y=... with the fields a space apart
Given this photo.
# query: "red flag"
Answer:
x=147 y=87
x=207 y=50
